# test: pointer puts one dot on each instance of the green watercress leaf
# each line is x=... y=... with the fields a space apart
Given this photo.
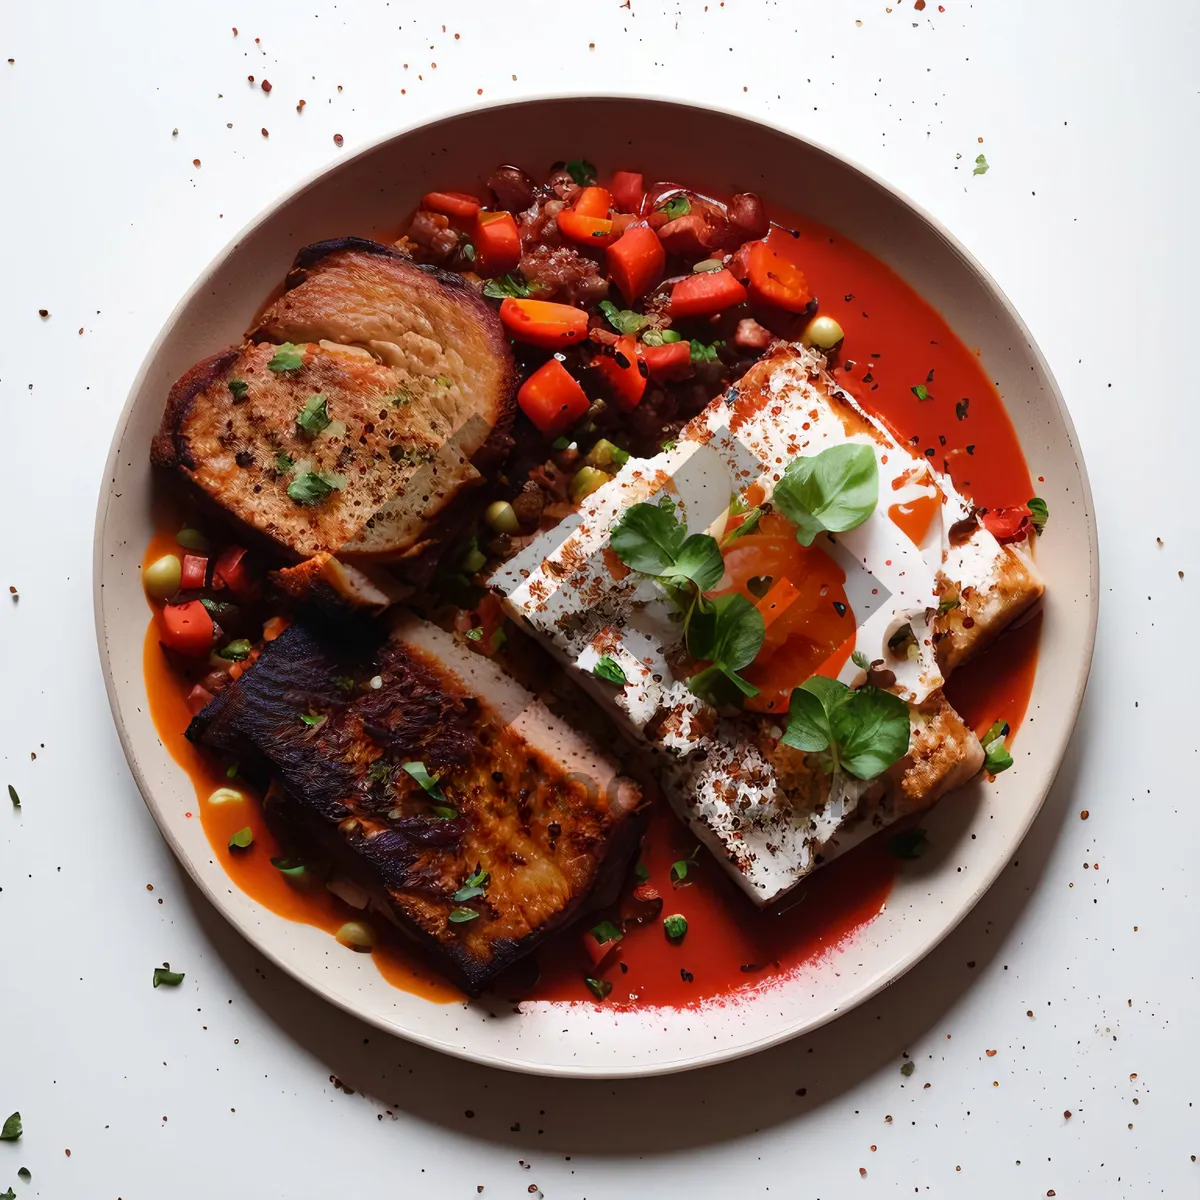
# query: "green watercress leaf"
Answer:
x=981 y=166
x=641 y=872
x=473 y=886
x=312 y=720
x=1039 y=513
x=461 y=915
x=610 y=671
x=836 y=490
x=425 y=779
x=648 y=538
x=699 y=560
x=12 y=1128
x=681 y=866
x=810 y=710
x=920 y=391
x=283 y=463
x=872 y=731
x=314 y=416
x=165 y=977
x=287 y=358
x=242 y=839
x=237 y=389
x=311 y=488
x=675 y=926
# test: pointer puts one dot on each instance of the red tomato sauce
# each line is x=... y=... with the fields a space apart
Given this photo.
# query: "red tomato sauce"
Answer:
x=894 y=342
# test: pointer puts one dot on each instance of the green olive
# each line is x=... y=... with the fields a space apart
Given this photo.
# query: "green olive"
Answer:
x=823 y=332
x=586 y=481
x=474 y=560
x=502 y=517
x=357 y=935
x=161 y=577
x=603 y=454
x=192 y=539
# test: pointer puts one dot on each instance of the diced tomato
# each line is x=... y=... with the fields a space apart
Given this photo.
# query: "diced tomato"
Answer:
x=497 y=243
x=624 y=372
x=635 y=262
x=1007 y=524
x=544 y=323
x=593 y=202
x=584 y=230
x=451 y=204
x=197 y=698
x=194 y=571
x=709 y=292
x=552 y=399
x=670 y=362
x=232 y=571
x=628 y=188
x=774 y=280
x=187 y=629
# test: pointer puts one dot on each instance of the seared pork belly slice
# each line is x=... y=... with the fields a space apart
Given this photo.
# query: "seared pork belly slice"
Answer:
x=773 y=816
x=335 y=588
x=358 y=435
x=518 y=794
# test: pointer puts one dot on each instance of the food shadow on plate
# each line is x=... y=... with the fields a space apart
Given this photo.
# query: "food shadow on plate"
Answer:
x=390 y=1077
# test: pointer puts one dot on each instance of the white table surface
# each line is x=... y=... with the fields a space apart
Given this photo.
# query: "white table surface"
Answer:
x=1087 y=115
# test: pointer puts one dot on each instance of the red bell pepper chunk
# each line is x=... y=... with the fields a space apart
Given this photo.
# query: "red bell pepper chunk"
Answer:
x=232 y=571
x=593 y=202
x=635 y=262
x=497 y=243
x=451 y=204
x=625 y=373
x=584 y=230
x=544 y=323
x=774 y=280
x=669 y=362
x=628 y=188
x=1007 y=524
x=188 y=629
x=194 y=571
x=710 y=292
x=552 y=399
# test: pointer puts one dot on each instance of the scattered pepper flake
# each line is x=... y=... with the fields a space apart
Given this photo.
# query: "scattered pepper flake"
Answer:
x=195 y=162
x=1084 y=814
x=338 y=139
x=991 y=1054
x=266 y=83
x=265 y=133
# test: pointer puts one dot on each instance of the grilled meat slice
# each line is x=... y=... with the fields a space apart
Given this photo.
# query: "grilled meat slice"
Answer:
x=518 y=794
x=329 y=586
x=416 y=377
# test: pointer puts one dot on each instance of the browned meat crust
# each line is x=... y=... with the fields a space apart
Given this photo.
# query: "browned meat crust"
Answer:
x=545 y=835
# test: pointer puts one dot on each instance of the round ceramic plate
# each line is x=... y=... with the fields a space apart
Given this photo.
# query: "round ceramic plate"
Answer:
x=371 y=190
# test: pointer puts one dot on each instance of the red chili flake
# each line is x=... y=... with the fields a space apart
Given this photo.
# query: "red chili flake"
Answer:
x=872 y=1149
x=919 y=5
x=250 y=78
x=265 y=133
x=258 y=41
x=300 y=106
x=235 y=31
x=67 y=1153
x=266 y=83
x=991 y=1054
x=195 y=162
x=338 y=139
x=1084 y=814
x=479 y=91
x=862 y=1172
x=1066 y=1114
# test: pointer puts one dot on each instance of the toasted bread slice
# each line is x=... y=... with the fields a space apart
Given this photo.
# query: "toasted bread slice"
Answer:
x=519 y=794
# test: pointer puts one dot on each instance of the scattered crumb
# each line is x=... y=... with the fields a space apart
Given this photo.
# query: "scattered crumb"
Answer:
x=264 y=132
x=1084 y=814
x=43 y=313
x=266 y=83
x=195 y=162
x=338 y=139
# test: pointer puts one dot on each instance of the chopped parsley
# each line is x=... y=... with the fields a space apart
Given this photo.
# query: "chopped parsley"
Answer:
x=606 y=932
x=680 y=868
x=283 y=463
x=288 y=866
x=675 y=926
x=641 y=872
x=908 y=1068
x=582 y=171
x=702 y=353
x=312 y=720
x=11 y=1129
x=678 y=206
x=344 y=683
x=380 y=771
x=506 y=286
x=165 y=977
x=242 y=839
x=231 y=770
x=236 y=651
x=311 y=488
x=996 y=757
x=287 y=358
x=599 y=988
x=12 y=795
x=472 y=887
x=981 y=166
x=610 y=671
x=947 y=604
x=623 y=320
x=920 y=391
x=314 y=416
x=912 y=843
x=238 y=389
x=428 y=782
x=444 y=812
x=24 y=1174
x=475 y=634
x=461 y=915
